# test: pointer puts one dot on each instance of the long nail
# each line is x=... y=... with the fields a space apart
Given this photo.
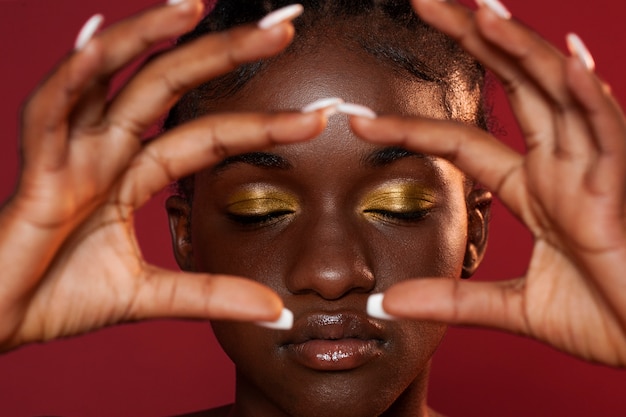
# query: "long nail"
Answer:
x=328 y=104
x=356 y=110
x=284 y=322
x=281 y=15
x=375 y=307
x=495 y=6
x=577 y=47
x=87 y=31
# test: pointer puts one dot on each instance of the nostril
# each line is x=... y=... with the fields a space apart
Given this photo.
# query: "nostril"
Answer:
x=333 y=280
x=332 y=261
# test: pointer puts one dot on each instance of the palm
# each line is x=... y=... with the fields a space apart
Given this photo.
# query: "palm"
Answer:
x=561 y=303
x=561 y=307
x=93 y=284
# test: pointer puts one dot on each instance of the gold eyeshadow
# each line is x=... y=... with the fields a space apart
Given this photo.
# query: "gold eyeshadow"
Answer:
x=261 y=200
x=401 y=197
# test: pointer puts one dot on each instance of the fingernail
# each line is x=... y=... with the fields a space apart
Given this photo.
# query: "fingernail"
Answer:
x=281 y=15
x=328 y=104
x=87 y=31
x=356 y=110
x=174 y=2
x=375 y=307
x=577 y=47
x=284 y=322
x=495 y=6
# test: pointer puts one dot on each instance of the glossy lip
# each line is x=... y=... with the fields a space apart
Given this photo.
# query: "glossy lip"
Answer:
x=334 y=341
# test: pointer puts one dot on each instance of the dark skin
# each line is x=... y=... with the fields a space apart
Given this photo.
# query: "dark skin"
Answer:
x=72 y=212
x=332 y=222
x=71 y=215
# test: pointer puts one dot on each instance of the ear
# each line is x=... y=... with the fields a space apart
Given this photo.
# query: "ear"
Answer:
x=478 y=210
x=179 y=214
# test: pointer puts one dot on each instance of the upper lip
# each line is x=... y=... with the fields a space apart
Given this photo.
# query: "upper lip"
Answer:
x=333 y=326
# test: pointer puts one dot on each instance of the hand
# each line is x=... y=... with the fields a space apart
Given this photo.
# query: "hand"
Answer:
x=68 y=255
x=568 y=189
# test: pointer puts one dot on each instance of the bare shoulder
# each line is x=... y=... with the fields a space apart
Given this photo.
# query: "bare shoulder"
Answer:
x=214 y=412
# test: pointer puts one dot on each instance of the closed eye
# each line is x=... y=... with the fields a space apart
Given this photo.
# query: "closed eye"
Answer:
x=403 y=216
x=259 y=219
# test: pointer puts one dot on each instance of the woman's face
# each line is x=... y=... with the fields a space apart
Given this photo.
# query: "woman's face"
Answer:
x=325 y=224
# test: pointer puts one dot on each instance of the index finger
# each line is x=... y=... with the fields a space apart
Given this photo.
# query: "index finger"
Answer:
x=204 y=142
x=471 y=149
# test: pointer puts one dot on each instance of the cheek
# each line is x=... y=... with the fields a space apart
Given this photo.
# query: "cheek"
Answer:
x=452 y=243
x=263 y=257
x=435 y=248
x=417 y=343
x=246 y=344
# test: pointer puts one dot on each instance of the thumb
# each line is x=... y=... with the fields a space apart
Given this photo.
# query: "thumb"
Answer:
x=171 y=294
x=497 y=305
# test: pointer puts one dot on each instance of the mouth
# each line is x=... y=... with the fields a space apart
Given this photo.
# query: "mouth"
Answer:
x=334 y=342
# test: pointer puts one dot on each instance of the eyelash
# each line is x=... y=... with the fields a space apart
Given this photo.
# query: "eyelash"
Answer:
x=259 y=220
x=256 y=220
x=401 y=217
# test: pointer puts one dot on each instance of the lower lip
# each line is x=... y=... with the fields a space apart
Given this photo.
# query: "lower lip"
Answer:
x=335 y=355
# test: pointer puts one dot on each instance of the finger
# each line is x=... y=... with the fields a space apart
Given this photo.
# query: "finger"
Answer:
x=207 y=141
x=44 y=121
x=125 y=41
x=45 y=117
x=497 y=305
x=507 y=47
x=539 y=60
x=608 y=127
x=545 y=67
x=472 y=150
x=459 y=23
x=169 y=294
x=530 y=69
x=162 y=82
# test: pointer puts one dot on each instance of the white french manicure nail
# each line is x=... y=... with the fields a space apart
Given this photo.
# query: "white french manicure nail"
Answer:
x=356 y=110
x=375 y=307
x=577 y=47
x=328 y=104
x=495 y=6
x=284 y=322
x=88 y=30
x=281 y=15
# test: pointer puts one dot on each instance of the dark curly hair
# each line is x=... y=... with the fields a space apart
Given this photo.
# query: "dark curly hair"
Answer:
x=388 y=30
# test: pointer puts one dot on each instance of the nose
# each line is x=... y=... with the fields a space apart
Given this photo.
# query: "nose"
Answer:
x=331 y=260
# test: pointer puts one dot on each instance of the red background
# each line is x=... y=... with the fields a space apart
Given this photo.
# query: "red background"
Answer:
x=165 y=367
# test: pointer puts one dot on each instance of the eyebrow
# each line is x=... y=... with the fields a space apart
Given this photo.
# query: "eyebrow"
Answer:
x=257 y=159
x=376 y=159
x=388 y=155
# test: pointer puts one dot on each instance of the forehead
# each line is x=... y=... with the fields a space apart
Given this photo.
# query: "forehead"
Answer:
x=335 y=69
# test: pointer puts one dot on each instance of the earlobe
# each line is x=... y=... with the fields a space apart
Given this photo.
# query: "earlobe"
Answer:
x=478 y=210
x=179 y=214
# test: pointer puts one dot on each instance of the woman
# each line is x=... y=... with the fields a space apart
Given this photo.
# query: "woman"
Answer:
x=534 y=327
